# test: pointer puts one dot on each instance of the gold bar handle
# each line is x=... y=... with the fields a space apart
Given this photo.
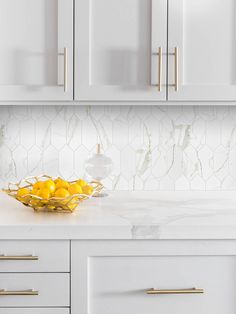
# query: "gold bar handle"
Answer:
x=18 y=258
x=159 y=69
x=176 y=56
x=177 y=291
x=65 y=69
x=20 y=292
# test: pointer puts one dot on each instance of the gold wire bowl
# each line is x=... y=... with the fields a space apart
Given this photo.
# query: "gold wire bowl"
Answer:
x=53 y=204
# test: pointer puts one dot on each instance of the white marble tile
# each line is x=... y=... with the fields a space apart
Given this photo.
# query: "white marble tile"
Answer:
x=35 y=160
x=27 y=133
x=58 y=132
x=205 y=165
x=221 y=161
x=213 y=184
x=213 y=133
x=80 y=155
x=128 y=162
x=66 y=162
x=50 y=161
x=182 y=184
x=152 y=147
x=20 y=160
x=90 y=135
x=120 y=136
x=197 y=183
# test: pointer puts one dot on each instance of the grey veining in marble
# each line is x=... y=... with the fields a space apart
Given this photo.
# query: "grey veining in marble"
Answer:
x=153 y=147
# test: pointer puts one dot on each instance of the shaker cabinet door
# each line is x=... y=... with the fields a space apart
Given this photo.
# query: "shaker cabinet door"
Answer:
x=150 y=277
x=120 y=50
x=202 y=46
x=36 y=50
x=165 y=285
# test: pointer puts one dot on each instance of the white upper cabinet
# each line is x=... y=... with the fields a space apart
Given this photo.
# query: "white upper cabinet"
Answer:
x=120 y=50
x=36 y=50
x=125 y=50
x=204 y=33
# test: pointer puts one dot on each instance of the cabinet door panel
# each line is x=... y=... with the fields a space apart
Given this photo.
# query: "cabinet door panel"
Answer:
x=33 y=36
x=205 y=33
x=120 y=284
x=53 y=290
x=116 y=49
x=115 y=276
x=34 y=256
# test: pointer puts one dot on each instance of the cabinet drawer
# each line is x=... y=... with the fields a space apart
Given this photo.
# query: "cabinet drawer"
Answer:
x=34 y=256
x=34 y=311
x=47 y=290
x=120 y=284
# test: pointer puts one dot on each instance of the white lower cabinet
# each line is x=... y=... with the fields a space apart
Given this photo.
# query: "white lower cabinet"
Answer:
x=181 y=277
x=121 y=276
x=35 y=277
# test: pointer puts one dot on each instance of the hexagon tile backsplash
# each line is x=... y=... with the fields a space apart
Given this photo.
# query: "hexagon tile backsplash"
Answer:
x=152 y=147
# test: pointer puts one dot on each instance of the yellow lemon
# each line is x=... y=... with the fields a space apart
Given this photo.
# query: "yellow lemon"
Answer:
x=75 y=188
x=23 y=192
x=57 y=180
x=81 y=182
x=22 y=195
x=60 y=183
x=44 y=193
x=38 y=185
x=50 y=185
x=61 y=193
x=34 y=191
x=87 y=189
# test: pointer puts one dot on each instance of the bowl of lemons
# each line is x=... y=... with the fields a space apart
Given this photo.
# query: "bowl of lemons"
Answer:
x=45 y=193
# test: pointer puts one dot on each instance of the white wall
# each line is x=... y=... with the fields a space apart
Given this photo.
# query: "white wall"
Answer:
x=153 y=147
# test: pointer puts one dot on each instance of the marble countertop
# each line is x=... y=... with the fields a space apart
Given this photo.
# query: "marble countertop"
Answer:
x=127 y=215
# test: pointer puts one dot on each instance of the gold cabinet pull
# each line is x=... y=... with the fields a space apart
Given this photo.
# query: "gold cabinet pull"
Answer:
x=65 y=69
x=176 y=73
x=159 y=69
x=18 y=258
x=20 y=292
x=176 y=56
x=177 y=291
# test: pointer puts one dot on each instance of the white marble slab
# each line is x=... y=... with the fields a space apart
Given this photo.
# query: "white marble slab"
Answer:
x=127 y=215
